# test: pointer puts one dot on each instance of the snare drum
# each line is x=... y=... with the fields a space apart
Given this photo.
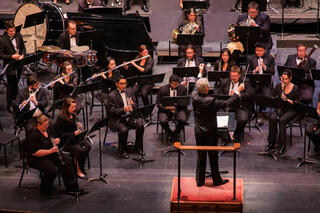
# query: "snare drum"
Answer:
x=79 y=49
x=91 y=57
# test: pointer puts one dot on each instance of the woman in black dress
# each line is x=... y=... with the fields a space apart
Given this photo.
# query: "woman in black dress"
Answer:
x=142 y=67
x=288 y=92
x=68 y=128
x=224 y=63
x=43 y=156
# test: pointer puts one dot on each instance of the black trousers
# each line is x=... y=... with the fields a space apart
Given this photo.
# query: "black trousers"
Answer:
x=12 y=88
x=314 y=135
x=81 y=151
x=48 y=166
x=208 y=139
x=180 y=117
x=123 y=129
x=284 y=119
x=242 y=116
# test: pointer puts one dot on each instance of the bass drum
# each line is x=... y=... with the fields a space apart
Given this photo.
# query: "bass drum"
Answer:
x=46 y=33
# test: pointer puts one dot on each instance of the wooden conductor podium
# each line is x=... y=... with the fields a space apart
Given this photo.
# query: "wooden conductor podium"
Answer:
x=187 y=197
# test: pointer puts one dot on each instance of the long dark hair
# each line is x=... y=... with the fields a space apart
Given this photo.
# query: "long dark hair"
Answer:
x=225 y=50
x=65 y=106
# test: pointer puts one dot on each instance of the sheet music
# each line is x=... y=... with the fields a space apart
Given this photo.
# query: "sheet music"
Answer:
x=222 y=121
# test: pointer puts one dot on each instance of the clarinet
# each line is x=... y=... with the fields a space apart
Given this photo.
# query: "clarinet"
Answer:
x=59 y=153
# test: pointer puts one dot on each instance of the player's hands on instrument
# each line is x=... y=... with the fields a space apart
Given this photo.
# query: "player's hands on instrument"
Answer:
x=241 y=87
x=253 y=23
x=77 y=132
x=184 y=83
x=56 y=141
x=33 y=99
x=127 y=108
x=54 y=149
x=16 y=56
x=21 y=57
x=289 y=101
x=130 y=101
x=201 y=67
x=79 y=125
x=25 y=102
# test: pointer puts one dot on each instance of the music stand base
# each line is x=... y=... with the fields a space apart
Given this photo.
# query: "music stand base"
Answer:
x=173 y=150
x=304 y=160
x=269 y=153
x=142 y=160
x=76 y=194
x=100 y=178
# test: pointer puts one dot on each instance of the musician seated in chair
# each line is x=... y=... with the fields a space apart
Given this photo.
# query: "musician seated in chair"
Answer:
x=313 y=129
x=178 y=113
x=192 y=61
x=67 y=128
x=256 y=18
x=45 y=157
x=144 y=6
x=225 y=62
x=260 y=63
x=306 y=86
x=12 y=49
x=29 y=98
x=140 y=68
x=289 y=92
x=83 y=4
x=107 y=80
x=121 y=102
x=242 y=108
x=69 y=38
x=191 y=25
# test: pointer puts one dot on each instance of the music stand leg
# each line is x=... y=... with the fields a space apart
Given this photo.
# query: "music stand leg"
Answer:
x=269 y=153
x=305 y=159
x=102 y=177
x=142 y=160
x=174 y=150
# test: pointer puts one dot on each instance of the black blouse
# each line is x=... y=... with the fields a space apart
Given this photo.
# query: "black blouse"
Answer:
x=65 y=128
x=37 y=141
x=63 y=90
x=292 y=95
x=216 y=65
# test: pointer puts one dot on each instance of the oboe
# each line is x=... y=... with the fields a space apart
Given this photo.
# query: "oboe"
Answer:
x=59 y=153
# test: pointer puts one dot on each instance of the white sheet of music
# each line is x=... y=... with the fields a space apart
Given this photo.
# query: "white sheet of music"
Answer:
x=222 y=121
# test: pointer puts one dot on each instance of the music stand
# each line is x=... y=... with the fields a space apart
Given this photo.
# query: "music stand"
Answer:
x=145 y=79
x=186 y=72
x=97 y=126
x=34 y=20
x=181 y=101
x=55 y=105
x=84 y=89
x=68 y=143
x=315 y=74
x=138 y=113
x=184 y=39
x=248 y=33
x=306 y=111
x=197 y=4
x=259 y=81
x=298 y=74
x=23 y=116
x=276 y=103
x=217 y=75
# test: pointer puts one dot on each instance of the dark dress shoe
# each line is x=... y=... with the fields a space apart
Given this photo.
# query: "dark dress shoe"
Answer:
x=124 y=155
x=140 y=151
x=126 y=8
x=145 y=8
x=220 y=182
x=282 y=149
x=269 y=147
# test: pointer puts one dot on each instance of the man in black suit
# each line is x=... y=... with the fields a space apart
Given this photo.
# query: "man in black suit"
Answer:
x=144 y=6
x=306 y=86
x=69 y=38
x=179 y=114
x=205 y=128
x=121 y=102
x=260 y=63
x=12 y=49
x=260 y=19
x=228 y=86
x=192 y=61
x=27 y=100
x=83 y=4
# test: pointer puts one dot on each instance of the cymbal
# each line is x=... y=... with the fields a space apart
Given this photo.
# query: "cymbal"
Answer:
x=32 y=37
x=49 y=48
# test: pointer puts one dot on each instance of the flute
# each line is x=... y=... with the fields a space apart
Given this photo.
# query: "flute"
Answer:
x=58 y=79
x=33 y=94
x=121 y=65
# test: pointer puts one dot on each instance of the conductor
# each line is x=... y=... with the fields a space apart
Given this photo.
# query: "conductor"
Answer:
x=205 y=112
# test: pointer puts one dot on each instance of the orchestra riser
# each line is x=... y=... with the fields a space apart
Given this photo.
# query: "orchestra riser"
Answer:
x=207 y=198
